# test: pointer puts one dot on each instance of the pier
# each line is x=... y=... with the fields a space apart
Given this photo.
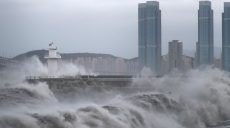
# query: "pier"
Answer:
x=107 y=80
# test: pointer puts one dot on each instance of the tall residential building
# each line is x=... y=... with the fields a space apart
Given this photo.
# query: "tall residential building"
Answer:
x=175 y=55
x=226 y=37
x=149 y=36
x=197 y=55
x=205 y=48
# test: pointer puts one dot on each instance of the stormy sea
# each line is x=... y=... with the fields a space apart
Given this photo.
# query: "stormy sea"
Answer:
x=195 y=99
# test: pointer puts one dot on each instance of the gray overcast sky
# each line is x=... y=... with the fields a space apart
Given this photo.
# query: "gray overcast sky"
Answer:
x=99 y=26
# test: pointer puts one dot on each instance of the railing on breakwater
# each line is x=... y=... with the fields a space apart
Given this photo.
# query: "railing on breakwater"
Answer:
x=102 y=78
x=81 y=77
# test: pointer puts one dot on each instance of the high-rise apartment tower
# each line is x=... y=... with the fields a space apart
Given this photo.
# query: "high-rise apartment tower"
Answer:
x=226 y=37
x=205 y=44
x=149 y=36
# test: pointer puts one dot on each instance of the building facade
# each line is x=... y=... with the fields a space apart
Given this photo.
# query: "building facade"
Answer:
x=149 y=36
x=197 y=55
x=205 y=48
x=175 y=49
x=226 y=37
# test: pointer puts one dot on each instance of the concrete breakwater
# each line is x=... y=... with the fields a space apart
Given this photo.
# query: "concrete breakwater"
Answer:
x=83 y=80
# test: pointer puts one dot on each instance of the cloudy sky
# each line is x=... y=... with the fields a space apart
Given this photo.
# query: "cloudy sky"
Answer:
x=99 y=26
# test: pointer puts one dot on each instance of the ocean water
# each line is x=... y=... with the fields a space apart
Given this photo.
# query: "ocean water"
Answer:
x=195 y=99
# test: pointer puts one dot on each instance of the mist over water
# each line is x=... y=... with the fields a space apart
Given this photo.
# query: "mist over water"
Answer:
x=195 y=99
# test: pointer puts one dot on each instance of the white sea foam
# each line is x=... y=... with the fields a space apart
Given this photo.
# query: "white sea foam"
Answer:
x=197 y=98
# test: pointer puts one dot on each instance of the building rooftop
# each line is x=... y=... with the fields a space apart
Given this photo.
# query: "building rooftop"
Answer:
x=226 y=4
x=156 y=3
x=142 y=5
x=175 y=41
x=205 y=3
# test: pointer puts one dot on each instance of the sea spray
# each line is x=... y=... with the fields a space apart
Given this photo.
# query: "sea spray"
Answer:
x=198 y=98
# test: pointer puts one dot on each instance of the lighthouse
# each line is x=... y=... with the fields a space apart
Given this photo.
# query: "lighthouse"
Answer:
x=52 y=60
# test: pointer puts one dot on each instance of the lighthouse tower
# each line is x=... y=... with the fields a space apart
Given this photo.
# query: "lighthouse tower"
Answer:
x=52 y=60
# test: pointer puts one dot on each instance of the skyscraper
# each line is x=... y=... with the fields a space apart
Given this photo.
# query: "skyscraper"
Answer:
x=226 y=37
x=205 y=46
x=175 y=55
x=149 y=36
x=196 y=63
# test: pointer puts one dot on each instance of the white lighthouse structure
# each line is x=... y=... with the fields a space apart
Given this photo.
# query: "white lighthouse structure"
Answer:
x=52 y=60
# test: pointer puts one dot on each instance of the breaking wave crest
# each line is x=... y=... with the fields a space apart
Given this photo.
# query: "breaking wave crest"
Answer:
x=141 y=110
x=179 y=100
x=25 y=95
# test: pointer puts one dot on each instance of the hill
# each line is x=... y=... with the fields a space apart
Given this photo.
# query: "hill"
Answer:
x=65 y=56
x=39 y=53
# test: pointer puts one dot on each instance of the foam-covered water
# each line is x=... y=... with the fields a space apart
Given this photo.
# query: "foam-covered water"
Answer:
x=179 y=100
